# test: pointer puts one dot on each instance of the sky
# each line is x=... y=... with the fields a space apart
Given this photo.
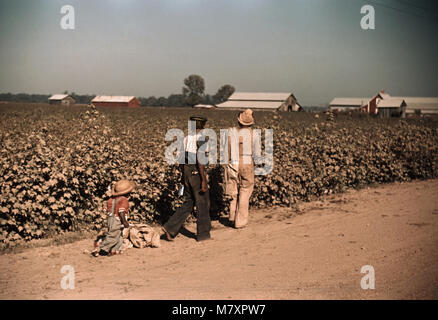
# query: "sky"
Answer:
x=315 y=49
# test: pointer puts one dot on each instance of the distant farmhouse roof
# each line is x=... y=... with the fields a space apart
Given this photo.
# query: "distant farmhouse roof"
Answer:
x=251 y=104
x=384 y=95
x=392 y=102
x=58 y=96
x=420 y=100
x=427 y=105
x=62 y=99
x=259 y=96
x=354 y=102
x=115 y=101
x=261 y=100
x=112 y=98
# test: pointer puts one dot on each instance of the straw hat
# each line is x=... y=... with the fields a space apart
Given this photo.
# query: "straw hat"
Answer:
x=122 y=187
x=245 y=118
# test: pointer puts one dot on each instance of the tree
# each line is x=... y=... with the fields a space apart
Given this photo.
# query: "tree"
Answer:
x=175 y=100
x=150 y=102
x=208 y=99
x=193 y=89
x=223 y=93
x=162 y=102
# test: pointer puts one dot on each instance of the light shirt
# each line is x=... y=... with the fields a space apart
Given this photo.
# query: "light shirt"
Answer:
x=244 y=146
x=192 y=143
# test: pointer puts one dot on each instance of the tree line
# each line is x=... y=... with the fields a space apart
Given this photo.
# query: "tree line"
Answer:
x=193 y=93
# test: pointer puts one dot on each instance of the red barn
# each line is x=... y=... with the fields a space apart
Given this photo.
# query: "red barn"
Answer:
x=372 y=106
x=116 y=101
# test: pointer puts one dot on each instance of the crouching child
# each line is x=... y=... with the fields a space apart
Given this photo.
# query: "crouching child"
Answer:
x=117 y=209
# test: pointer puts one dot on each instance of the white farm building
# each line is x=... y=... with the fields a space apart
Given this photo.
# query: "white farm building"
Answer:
x=268 y=101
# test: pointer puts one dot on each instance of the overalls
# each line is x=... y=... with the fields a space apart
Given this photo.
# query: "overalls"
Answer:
x=239 y=180
x=113 y=240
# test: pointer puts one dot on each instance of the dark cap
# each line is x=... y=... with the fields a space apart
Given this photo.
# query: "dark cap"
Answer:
x=198 y=118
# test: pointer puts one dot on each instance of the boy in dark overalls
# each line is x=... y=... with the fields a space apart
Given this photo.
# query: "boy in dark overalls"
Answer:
x=195 y=189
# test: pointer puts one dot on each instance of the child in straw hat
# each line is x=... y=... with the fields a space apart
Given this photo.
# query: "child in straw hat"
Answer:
x=117 y=208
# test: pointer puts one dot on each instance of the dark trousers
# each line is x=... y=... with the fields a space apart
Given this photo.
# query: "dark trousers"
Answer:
x=192 y=196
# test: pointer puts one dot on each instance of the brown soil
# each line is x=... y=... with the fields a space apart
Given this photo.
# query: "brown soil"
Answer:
x=315 y=253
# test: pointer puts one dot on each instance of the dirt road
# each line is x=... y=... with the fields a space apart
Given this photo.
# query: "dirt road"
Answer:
x=317 y=253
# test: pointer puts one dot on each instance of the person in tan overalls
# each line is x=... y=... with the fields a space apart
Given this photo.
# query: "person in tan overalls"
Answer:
x=239 y=172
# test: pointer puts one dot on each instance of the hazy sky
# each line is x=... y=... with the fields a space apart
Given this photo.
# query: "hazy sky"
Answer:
x=313 y=48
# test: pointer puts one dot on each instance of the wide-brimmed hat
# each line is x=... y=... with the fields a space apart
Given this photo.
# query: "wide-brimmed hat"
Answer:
x=198 y=118
x=245 y=118
x=122 y=187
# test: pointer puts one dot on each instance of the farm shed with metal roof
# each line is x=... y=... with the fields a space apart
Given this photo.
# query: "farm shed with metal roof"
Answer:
x=63 y=99
x=347 y=104
x=115 y=101
x=423 y=105
x=391 y=107
x=271 y=101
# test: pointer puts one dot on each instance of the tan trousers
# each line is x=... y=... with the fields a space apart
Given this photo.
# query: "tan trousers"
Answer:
x=239 y=186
